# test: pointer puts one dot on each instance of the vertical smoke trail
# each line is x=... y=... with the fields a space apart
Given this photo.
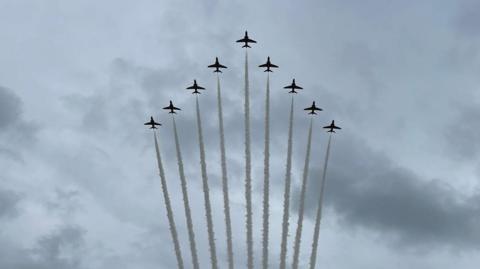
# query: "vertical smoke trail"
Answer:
x=168 y=206
x=206 y=192
x=298 y=235
x=313 y=255
x=188 y=214
x=226 y=205
x=266 y=180
x=286 y=195
x=248 y=176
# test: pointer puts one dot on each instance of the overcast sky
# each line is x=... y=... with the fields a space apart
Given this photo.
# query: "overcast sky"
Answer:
x=79 y=185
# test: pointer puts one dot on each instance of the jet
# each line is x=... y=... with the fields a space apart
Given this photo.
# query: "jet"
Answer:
x=195 y=87
x=313 y=108
x=172 y=108
x=268 y=65
x=246 y=40
x=331 y=127
x=293 y=86
x=152 y=123
x=217 y=66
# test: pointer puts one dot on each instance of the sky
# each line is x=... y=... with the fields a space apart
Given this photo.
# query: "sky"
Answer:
x=79 y=185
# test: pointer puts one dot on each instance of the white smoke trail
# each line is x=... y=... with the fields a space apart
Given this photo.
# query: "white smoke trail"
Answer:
x=313 y=255
x=286 y=195
x=168 y=206
x=188 y=214
x=226 y=205
x=206 y=192
x=248 y=173
x=266 y=177
x=298 y=235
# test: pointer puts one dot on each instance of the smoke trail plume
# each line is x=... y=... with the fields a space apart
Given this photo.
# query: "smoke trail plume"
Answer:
x=286 y=195
x=266 y=177
x=226 y=205
x=206 y=192
x=168 y=206
x=188 y=214
x=298 y=235
x=248 y=173
x=313 y=255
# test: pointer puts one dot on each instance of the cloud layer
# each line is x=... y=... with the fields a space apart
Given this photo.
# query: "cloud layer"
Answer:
x=79 y=187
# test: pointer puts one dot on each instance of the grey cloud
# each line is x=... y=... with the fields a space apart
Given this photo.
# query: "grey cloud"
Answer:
x=8 y=203
x=10 y=108
x=13 y=127
x=368 y=190
x=66 y=202
x=94 y=109
x=59 y=250
x=468 y=19
x=461 y=135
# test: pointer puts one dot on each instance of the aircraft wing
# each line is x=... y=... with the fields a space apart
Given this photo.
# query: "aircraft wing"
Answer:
x=251 y=40
x=222 y=66
x=176 y=108
x=273 y=65
x=212 y=66
x=263 y=65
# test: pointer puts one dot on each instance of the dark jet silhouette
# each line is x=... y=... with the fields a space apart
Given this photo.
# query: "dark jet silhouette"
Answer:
x=217 y=66
x=313 y=108
x=195 y=87
x=172 y=108
x=152 y=123
x=331 y=127
x=293 y=86
x=246 y=40
x=268 y=65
